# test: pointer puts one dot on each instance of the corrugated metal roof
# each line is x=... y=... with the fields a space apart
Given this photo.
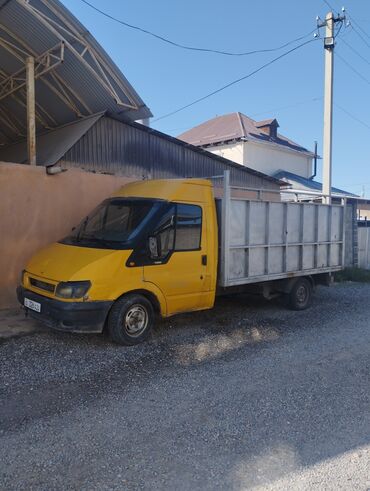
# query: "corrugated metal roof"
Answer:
x=308 y=184
x=75 y=77
x=236 y=126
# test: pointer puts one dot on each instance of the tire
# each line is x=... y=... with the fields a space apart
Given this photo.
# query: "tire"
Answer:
x=130 y=320
x=300 y=296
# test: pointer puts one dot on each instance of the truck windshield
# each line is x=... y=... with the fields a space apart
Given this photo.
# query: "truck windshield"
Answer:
x=116 y=221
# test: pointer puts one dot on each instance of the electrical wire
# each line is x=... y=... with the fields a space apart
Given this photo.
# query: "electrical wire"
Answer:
x=193 y=48
x=290 y=106
x=355 y=51
x=355 y=118
x=265 y=65
x=360 y=36
x=353 y=69
x=336 y=34
x=268 y=111
x=359 y=27
x=328 y=4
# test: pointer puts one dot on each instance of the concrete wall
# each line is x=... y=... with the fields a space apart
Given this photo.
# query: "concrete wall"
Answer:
x=37 y=209
x=265 y=158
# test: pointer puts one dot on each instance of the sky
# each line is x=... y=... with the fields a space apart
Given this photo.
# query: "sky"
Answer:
x=290 y=90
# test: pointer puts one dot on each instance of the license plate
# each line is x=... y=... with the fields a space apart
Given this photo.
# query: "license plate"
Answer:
x=30 y=304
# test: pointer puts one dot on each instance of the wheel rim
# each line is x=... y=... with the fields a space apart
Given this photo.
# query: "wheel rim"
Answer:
x=136 y=320
x=302 y=294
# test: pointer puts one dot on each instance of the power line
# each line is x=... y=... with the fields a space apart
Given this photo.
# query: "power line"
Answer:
x=290 y=106
x=353 y=69
x=328 y=4
x=355 y=118
x=358 y=25
x=360 y=35
x=268 y=111
x=353 y=21
x=355 y=51
x=234 y=81
x=193 y=48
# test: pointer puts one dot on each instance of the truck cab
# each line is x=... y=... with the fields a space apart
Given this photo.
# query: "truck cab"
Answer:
x=149 y=249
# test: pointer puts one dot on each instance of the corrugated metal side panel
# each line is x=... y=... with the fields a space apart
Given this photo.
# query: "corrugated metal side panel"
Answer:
x=111 y=147
x=114 y=147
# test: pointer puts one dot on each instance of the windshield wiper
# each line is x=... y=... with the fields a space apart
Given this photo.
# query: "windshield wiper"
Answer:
x=99 y=239
x=81 y=229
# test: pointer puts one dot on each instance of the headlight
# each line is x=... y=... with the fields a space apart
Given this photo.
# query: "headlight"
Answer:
x=72 y=289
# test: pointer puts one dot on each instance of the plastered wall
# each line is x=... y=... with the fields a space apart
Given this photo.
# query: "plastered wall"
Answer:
x=37 y=209
x=265 y=158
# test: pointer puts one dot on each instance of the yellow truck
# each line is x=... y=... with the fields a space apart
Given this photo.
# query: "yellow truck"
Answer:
x=162 y=247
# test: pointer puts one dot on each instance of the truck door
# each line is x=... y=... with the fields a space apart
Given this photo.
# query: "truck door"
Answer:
x=180 y=270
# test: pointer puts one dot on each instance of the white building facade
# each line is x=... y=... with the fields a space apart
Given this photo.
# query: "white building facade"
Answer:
x=254 y=144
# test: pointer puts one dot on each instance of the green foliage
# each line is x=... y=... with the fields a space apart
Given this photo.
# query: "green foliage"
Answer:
x=353 y=274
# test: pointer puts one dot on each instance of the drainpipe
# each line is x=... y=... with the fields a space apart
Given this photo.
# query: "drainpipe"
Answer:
x=314 y=163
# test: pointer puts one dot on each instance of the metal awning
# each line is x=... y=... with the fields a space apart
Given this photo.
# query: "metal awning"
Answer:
x=51 y=145
x=75 y=78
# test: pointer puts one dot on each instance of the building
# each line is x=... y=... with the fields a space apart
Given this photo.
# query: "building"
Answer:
x=254 y=144
x=85 y=109
x=102 y=143
x=299 y=183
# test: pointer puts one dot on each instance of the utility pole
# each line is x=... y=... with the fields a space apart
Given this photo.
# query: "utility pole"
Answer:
x=329 y=44
x=31 y=119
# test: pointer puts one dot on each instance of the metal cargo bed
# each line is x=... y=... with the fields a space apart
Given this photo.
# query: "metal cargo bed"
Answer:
x=269 y=240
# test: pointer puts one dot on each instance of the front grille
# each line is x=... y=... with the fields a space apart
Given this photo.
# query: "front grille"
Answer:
x=42 y=285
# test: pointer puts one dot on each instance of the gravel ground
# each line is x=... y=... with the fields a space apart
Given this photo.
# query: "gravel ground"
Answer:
x=246 y=396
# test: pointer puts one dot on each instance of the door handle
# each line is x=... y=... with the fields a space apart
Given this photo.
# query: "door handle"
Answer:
x=204 y=260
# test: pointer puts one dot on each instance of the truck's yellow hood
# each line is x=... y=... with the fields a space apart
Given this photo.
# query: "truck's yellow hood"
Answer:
x=60 y=262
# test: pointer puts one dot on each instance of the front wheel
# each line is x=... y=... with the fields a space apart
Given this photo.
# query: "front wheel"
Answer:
x=300 y=296
x=130 y=320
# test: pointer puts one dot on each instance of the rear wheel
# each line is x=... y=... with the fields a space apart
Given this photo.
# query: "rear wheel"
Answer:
x=130 y=320
x=300 y=296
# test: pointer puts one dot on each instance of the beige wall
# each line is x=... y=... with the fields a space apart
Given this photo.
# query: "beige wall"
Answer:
x=37 y=209
x=269 y=159
x=265 y=158
x=231 y=151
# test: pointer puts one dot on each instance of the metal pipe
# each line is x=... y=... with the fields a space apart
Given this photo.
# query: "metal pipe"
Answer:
x=314 y=163
x=31 y=110
x=367 y=265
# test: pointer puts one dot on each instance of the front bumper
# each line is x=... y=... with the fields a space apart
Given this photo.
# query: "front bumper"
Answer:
x=85 y=317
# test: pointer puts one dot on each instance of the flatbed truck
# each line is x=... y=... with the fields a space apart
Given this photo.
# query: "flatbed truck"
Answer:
x=162 y=247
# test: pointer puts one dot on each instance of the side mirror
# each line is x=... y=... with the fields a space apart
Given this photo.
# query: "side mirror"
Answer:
x=154 y=245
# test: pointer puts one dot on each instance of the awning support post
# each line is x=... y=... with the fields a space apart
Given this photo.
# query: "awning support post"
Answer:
x=31 y=113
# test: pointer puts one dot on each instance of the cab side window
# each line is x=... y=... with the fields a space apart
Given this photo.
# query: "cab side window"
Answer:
x=188 y=227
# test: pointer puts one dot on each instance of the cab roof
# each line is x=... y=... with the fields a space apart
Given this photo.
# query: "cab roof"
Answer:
x=193 y=190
